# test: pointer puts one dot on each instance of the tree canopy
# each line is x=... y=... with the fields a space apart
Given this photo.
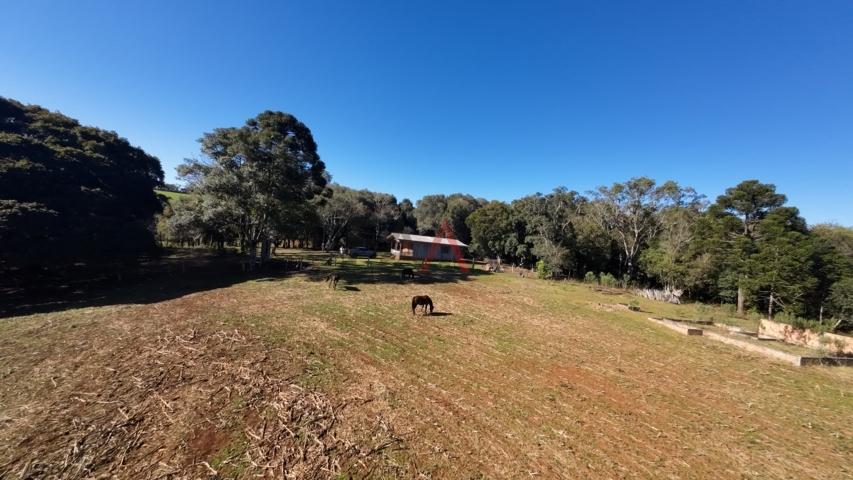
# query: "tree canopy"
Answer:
x=260 y=172
x=70 y=192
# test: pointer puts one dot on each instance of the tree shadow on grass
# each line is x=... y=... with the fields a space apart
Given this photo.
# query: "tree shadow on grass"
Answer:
x=174 y=275
x=355 y=272
x=181 y=272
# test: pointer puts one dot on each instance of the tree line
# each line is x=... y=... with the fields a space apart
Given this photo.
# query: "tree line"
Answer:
x=72 y=193
x=747 y=248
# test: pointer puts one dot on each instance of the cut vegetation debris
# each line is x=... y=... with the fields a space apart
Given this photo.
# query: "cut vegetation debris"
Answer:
x=282 y=377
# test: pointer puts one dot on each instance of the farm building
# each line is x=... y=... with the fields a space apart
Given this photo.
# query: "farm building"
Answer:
x=420 y=247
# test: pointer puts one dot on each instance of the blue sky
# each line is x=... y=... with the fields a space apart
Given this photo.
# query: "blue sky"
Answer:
x=494 y=99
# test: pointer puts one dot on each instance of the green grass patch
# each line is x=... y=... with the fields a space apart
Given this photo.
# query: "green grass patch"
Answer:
x=172 y=196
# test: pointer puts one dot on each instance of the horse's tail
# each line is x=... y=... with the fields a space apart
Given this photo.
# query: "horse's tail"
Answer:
x=414 y=304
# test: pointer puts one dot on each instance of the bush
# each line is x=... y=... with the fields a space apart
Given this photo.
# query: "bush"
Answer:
x=634 y=306
x=590 y=278
x=800 y=323
x=608 y=280
x=754 y=315
x=841 y=304
x=542 y=270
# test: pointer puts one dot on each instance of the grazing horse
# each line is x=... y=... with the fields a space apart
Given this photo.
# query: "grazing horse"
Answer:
x=421 y=301
x=333 y=278
x=407 y=273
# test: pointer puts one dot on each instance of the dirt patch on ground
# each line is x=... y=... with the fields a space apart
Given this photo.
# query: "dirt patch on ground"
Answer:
x=609 y=307
x=185 y=403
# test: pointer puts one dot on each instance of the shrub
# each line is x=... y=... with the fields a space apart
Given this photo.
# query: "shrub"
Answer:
x=608 y=280
x=634 y=306
x=754 y=315
x=542 y=270
x=590 y=278
x=800 y=323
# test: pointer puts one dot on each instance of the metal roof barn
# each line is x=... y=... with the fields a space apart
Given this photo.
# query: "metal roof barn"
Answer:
x=421 y=247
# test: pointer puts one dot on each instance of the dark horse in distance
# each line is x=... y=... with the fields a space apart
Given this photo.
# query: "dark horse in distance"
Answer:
x=421 y=301
x=333 y=279
x=407 y=273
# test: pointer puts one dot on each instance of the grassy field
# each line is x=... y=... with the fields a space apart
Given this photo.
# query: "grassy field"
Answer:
x=511 y=378
x=172 y=196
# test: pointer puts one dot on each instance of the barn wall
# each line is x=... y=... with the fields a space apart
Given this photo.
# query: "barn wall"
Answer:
x=421 y=250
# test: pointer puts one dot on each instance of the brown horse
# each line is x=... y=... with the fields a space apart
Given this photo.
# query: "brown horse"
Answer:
x=421 y=301
x=333 y=278
x=407 y=273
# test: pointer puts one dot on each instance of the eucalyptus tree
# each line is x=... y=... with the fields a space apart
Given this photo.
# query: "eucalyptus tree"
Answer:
x=384 y=213
x=261 y=170
x=549 y=226
x=629 y=212
x=670 y=257
x=338 y=211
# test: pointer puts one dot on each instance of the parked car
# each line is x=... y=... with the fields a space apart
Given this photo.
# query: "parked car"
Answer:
x=361 y=252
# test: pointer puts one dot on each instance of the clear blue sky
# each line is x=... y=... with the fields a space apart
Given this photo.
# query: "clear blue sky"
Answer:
x=494 y=99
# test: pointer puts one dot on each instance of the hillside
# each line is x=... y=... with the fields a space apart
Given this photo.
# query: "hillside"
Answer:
x=512 y=377
x=171 y=195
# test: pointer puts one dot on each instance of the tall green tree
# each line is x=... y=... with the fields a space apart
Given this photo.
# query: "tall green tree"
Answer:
x=493 y=231
x=841 y=304
x=406 y=223
x=429 y=212
x=670 y=258
x=781 y=267
x=549 y=227
x=384 y=213
x=262 y=170
x=629 y=212
x=750 y=201
x=69 y=192
x=338 y=212
x=833 y=263
x=432 y=211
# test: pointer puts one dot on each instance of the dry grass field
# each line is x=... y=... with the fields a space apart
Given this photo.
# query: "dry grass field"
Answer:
x=511 y=378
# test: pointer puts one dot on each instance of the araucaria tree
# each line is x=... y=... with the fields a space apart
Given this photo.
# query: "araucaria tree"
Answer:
x=260 y=171
x=750 y=201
